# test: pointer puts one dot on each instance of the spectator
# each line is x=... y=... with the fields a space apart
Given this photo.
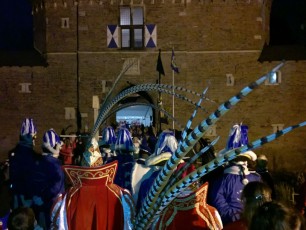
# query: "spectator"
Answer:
x=151 y=138
x=253 y=195
x=23 y=218
x=276 y=216
x=262 y=170
x=67 y=150
x=301 y=198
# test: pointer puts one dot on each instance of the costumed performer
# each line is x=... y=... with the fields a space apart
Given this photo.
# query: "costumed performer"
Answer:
x=225 y=192
x=166 y=145
x=21 y=159
x=124 y=149
x=93 y=201
x=47 y=179
x=107 y=143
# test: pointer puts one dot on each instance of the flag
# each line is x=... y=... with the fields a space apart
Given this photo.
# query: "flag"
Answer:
x=79 y=119
x=173 y=64
x=159 y=66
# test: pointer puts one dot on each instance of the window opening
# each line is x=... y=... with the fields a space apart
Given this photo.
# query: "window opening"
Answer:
x=132 y=27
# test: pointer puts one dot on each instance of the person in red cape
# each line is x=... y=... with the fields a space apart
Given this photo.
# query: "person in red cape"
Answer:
x=93 y=201
x=187 y=211
x=190 y=212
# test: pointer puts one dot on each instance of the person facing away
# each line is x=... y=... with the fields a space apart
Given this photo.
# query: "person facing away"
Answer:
x=124 y=150
x=47 y=178
x=93 y=201
x=21 y=161
x=275 y=215
x=254 y=194
x=23 y=218
x=166 y=146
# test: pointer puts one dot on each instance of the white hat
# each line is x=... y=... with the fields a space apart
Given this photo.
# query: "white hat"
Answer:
x=249 y=154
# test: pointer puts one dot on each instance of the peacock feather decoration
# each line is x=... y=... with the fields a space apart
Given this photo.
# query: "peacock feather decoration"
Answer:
x=168 y=185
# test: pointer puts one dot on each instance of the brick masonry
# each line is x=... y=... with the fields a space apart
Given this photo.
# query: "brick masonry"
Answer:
x=211 y=39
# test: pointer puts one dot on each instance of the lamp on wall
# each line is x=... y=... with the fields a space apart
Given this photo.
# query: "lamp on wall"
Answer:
x=274 y=78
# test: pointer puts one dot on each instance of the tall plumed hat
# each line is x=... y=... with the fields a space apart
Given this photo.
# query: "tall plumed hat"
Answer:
x=166 y=145
x=28 y=127
x=238 y=137
x=124 y=141
x=108 y=136
x=50 y=140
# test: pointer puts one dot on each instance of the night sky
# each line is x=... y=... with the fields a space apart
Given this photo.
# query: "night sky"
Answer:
x=288 y=22
x=16 y=25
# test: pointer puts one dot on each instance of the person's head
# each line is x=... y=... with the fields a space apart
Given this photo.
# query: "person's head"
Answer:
x=124 y=142
x=22 y=218
x=137 y=143
x=51 y=143
x=108 y=136
x=72 y=137
x=92 y=156
x=241 y=164
x=262 y=162
x=276 y=216
x=166 y=146
x=254 y=194
x=144 y=151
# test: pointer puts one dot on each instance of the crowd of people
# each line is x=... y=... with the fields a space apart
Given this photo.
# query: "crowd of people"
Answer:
x=75 y=183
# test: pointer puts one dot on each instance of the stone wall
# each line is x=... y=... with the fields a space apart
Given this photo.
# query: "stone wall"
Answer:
x=212 y=40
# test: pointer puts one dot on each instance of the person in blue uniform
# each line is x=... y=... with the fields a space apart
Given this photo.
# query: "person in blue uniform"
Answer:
x=21 y=160
x=47 y=178
x=225 y=192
